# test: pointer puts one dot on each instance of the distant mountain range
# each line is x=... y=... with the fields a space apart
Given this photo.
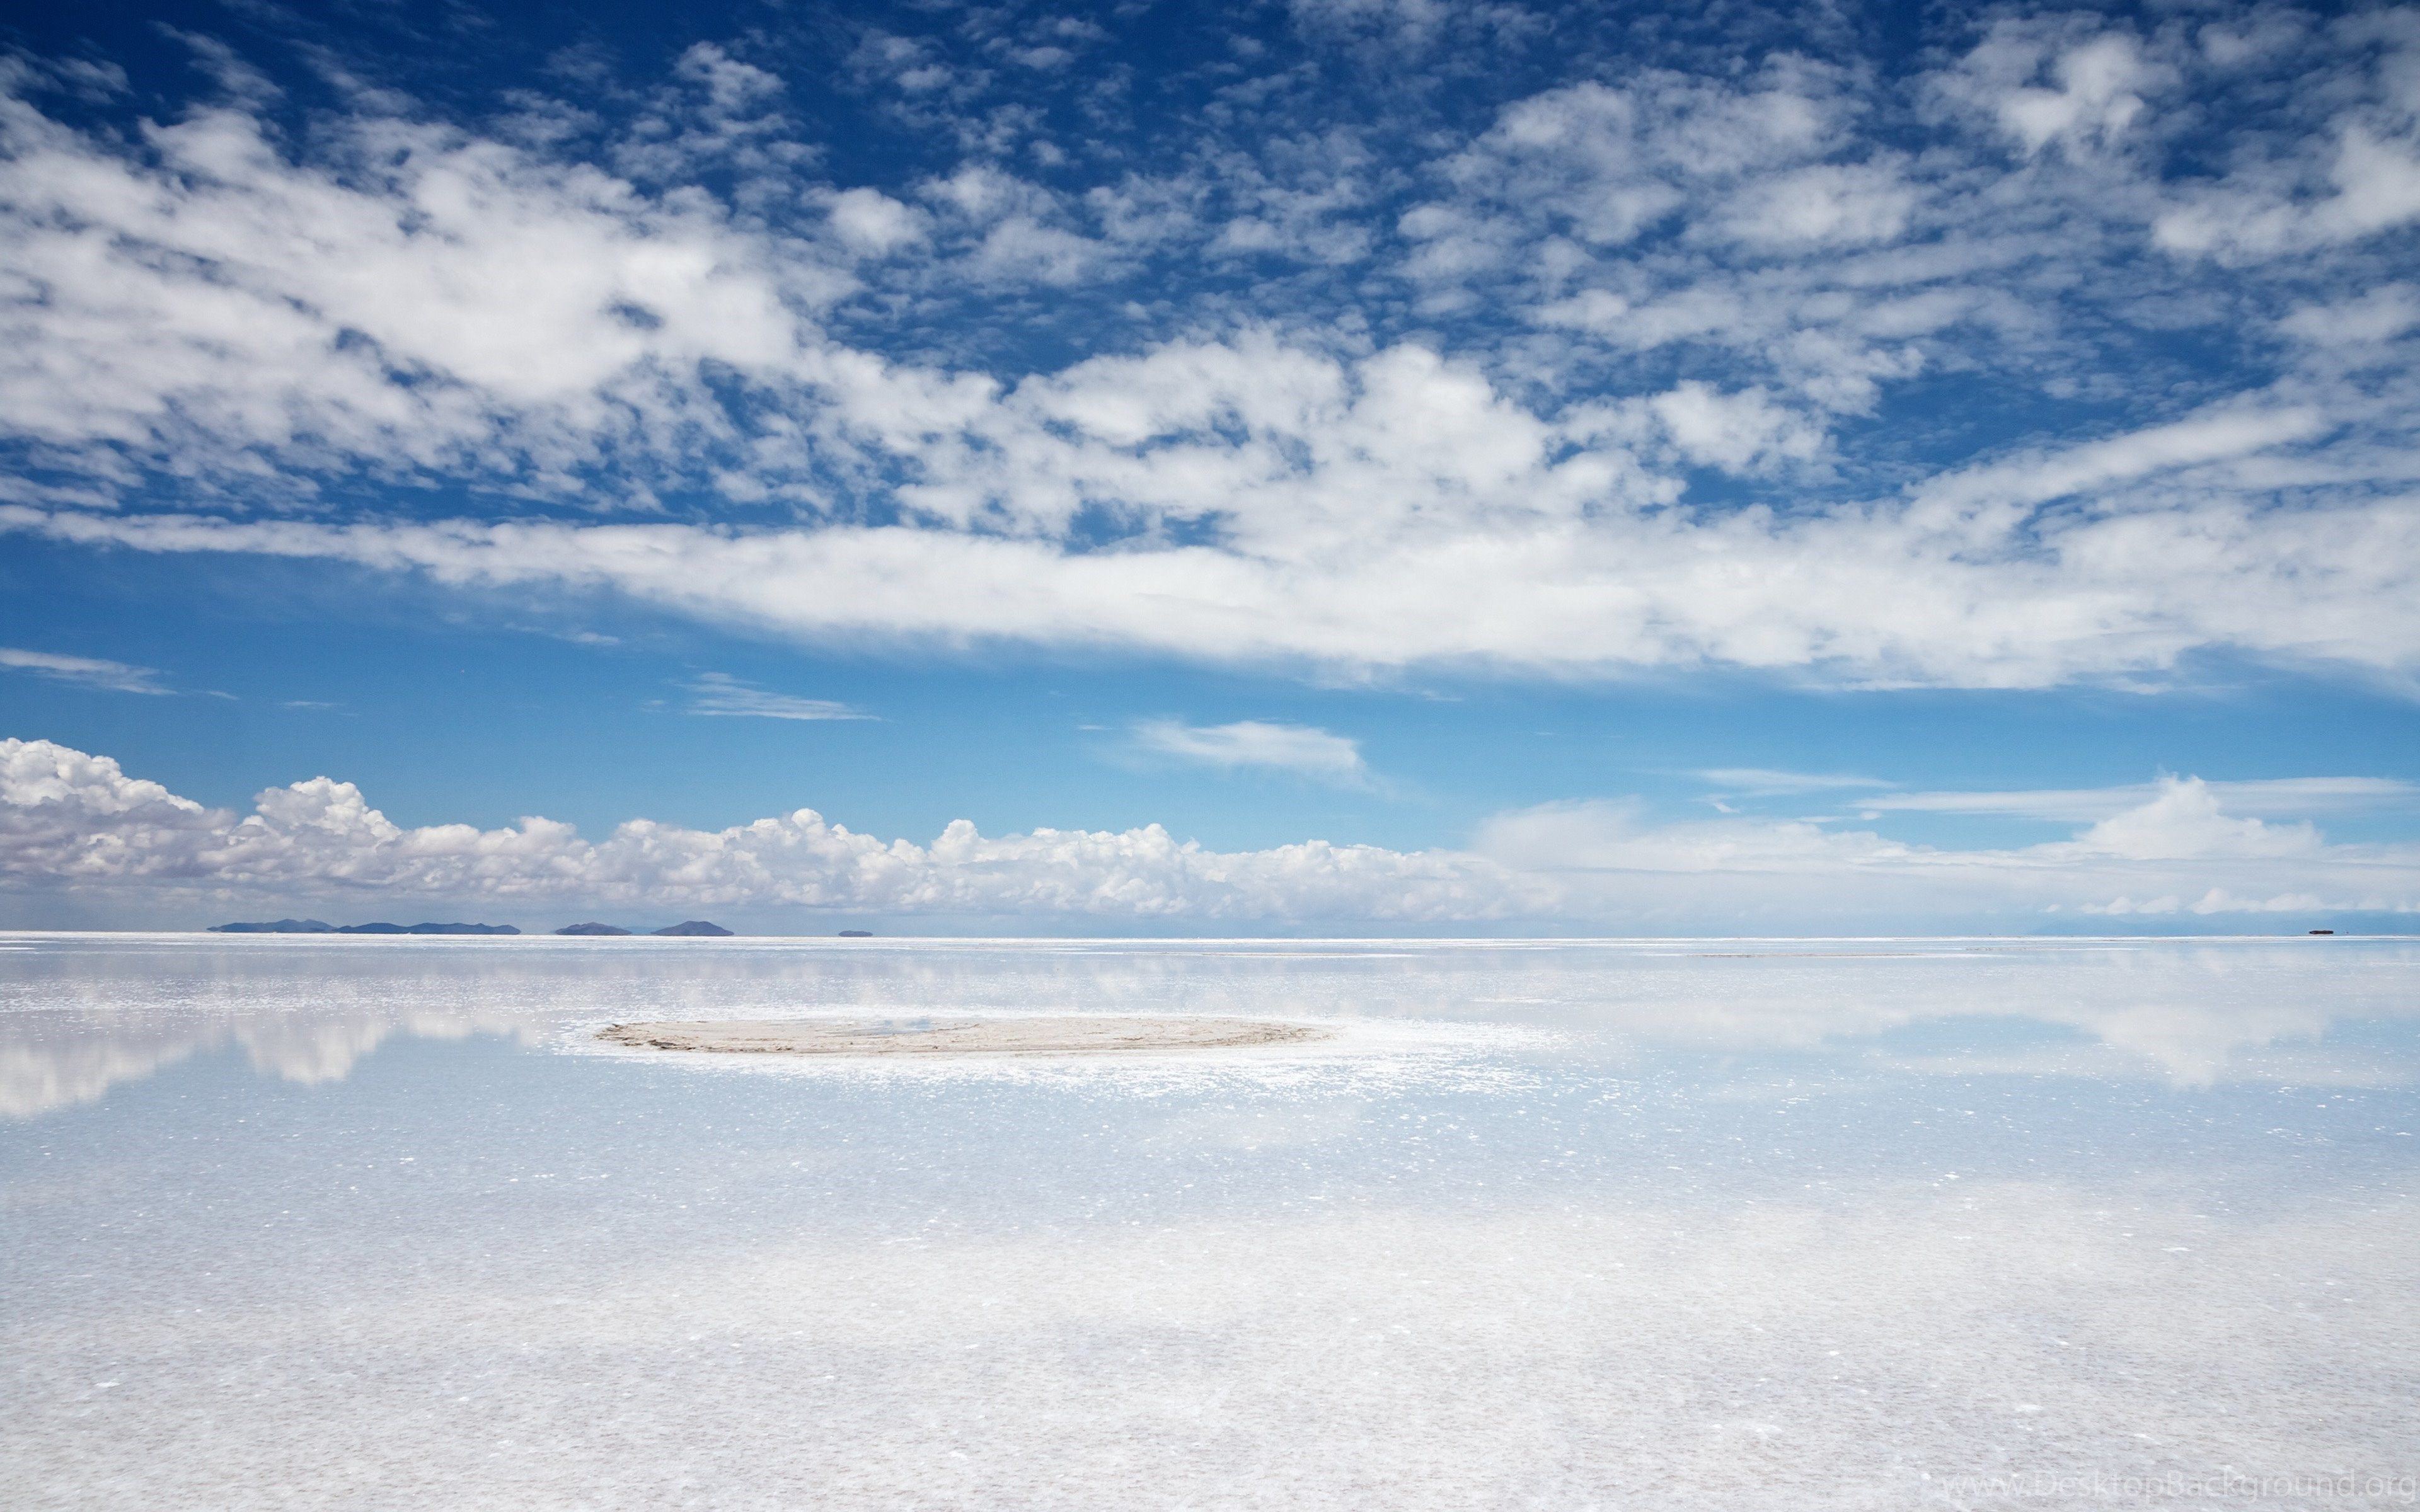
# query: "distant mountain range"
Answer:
x=313 y=926
x=686 y=926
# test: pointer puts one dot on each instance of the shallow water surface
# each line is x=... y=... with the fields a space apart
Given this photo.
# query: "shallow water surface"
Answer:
x=377 y=1222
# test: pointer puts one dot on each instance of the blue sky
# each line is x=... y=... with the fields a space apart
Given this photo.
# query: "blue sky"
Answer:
x=1451 y=467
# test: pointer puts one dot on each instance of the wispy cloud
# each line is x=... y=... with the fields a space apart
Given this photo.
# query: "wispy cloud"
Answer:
x=1289 y=747
x=92 y=671
x=718 y=693
x=1761 y=781
x=2265 y=796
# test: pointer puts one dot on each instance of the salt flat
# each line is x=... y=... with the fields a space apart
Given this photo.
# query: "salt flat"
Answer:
x=1674 y=1224
x=1027 y=1035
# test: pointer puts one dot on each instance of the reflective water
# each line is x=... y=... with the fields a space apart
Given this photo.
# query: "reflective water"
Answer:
x=376 y=1222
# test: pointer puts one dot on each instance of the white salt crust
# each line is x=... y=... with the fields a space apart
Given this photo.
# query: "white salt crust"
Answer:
x=206 y=1309
x=1064 y=1034
x=1790 y=1355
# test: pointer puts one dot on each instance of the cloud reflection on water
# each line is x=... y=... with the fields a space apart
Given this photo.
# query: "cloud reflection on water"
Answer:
x=82 y=1014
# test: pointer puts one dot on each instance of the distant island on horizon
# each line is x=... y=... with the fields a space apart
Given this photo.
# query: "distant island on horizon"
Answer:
x=699 y=927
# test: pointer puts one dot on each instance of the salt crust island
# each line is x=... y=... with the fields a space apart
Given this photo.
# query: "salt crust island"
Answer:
x=1062 y=1035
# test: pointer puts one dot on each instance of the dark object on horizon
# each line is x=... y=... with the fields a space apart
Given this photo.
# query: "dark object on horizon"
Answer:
x=2323 y=932
x=284 y=926
x=427 y=929
x=590 y=929
x=693 y=926
x=857 y=935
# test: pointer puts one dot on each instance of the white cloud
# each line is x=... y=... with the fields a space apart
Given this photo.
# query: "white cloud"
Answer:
x=2268 y=795
x=1607 y=164
x=718 y=693
x=427 y=301
x=1992 y=495
x=1252 y=743
x=2373 y=186
x=2183 y=820
x=1020 y=230
x=1400 y=511
x=1764 y=781
x=2377 y=316
x=2377 y=183
x=731 y=86
x=278 y=321
x=1831 y=202
x=1740 y=433
x=1020 y=249
x=2095 y=98
x=2177 y=843
x=76 y=821
x=93 y=672
x=871 y=222
x=2353 y=173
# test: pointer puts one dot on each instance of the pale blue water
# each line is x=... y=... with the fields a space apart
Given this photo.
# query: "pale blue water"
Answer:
x=375 y=1223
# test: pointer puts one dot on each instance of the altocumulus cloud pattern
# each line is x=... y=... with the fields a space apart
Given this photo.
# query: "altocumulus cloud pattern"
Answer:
x=2043 y=348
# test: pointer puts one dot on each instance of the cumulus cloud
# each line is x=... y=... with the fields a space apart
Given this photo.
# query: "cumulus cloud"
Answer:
x=1831 y=202
x=1252 y=743
x=72 y=819
x=2093 y=96
x=2375 y=317
x=77 y=819
x=1740 y=433
x=92 y=671
x=871 y=222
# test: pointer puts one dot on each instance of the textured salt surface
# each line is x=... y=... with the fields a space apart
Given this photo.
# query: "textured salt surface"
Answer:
x=2093 y=1225
x=1062 y=1035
